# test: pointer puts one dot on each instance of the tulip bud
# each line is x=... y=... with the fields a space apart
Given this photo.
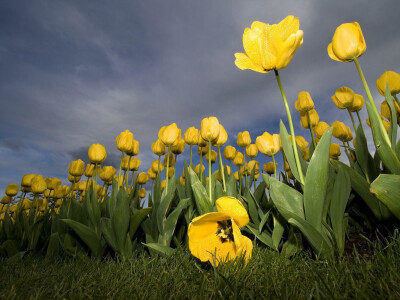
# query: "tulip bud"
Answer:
x=73 y=179
x=222 y=137
x=306 y=154
x=202 y=150
x=348 y=43
x=320 y=129
x=238 y=160
x=89 y=171
x=304 y=103
x=169 y=134
x=209 y=128
x=135 y=164
x=107 y=173
x=236 y=175
x=253 y=164
x=158 y=148
x=171 y=160
x=197 y=169
x=339 y=130
x=142 y=178
x=151 y=174
x=97 y=154
x=201 y=142
x=385 y=110
x=191 y=136
x=269 y=167
x=313 y=117
x=142 y=193
x=358 y=103
x=243 y=139
x=76 y=167
x=163 y=184
x=38 y=184
x=213 y=157
x=182 y=181
x=269 y=144
x=171 y=171
x=134 y=150
x=6 y=199
x=12 y=189
x=229 y=152
x=155 y=165
x=301 y=142
x=343 y=97
x=26 y=182
x=390 y=77
x=334 y=151
x=124 y=141
x=179 y=147
x=26 y=204
x=53 y=183
x=251 y=151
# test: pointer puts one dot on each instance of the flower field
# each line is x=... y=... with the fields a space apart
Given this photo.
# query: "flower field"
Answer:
x=310 y=208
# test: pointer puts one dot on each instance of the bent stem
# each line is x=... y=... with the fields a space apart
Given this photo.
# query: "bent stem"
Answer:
x=311 y=130
x=296 y=154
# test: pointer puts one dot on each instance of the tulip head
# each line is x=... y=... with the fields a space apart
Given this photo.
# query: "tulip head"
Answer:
x=155 y=165
x=26 y=182
x=238 y=160
x=269 y=144
x=142 y=178
x=107 y=173
x=269 y=167
x=178 y=147
x=12 y=189
x=124 y=141
x=304 y=102
x=76 y=167
x=38 y=184
x=134 y=150
x=320 y=129
x=343 y=97
x=314 y=118
x=169 y=134
x=348 y=43
x=6 y=199
x=357 y=104
x=209 y=128
x=152 y=175
x=340 y=131
x=222 y=137
x=334 y=151
x=243 y=139
x=142 y=193
x=229 y=152
x=158 y=148
x=191 y=136
x=213 y=157
x=97 y=154
x=390 y=77
x=251 y=151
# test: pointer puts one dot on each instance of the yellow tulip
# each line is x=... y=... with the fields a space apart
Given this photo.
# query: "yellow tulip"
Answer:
x=124 y=141
x=269 y=47
x=73 y=179
x=38 y=184
x=158 y=148
x=53 y=183
x=348 y=43
x=6 y=199
x=200 y=141
x=134 y=150
x=213 y=156
x=135 y=164
x=334 y=151
x=253 y=164
x=142 y=193
x=26 y=181
x=76 y=167
x=197 y=169
x=243 y=139
x=340 y=130
x=269 y=144
x=238 y=160
x=89 y=171
x=182 y=181
x=155 y=165
x=171 y=172
x=12 y=189
x=269 y=167
x=142 y=178
x=169 y=134
x=97 y=154
x=229 y=152
x=216 y=236
x=151 y=174
x=209 y=128
x=228 y=171
x=179 y=147
x=314 y=117
x=390 y=77
x=236 y=175
x=304 y=102
x=302 y=142
x=343 y=97
x=385 y=110
x=191 y=136
x=320 y=129
x=357 y=104
x=171 y=160
x=163 y=184
x=26 y=204
x=306 y=154
x=107 y=173
x=251 y=151
x=222 y=137
x=202 y=150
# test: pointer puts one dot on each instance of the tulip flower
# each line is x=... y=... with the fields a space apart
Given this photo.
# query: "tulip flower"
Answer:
x=270 y=167
x=390 y=77
x=229 y=152
x=347 y=43
x=209 y=128
x=269 y=144
x=97 y=154
x=76 y=167
x=304 y=103
x=169 y=134
x=343 y=97
x=134 y=150
x=142 y=178
x=158 y=148
x=213 y=156
x=142 y=193
x=357 y=104
x=216 y=236
x=269 y=47
x=320 y=129
x=124 y=141
x=179 y=147
x=334 y=151
x=12 y=189
x=38 y=184
x=152 y=175
x=308 y=117
x=191 y=138
x=238 y=160
x=251 y=151
x=6 y=199
x=243 y=139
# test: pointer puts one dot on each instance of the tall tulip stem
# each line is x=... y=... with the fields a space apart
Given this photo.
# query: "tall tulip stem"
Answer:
x=359 y=120
x=221 y=167
x=119 y=171
x=209 y=172
x=352 y=120
x=311 y=130
x=167 y=173
x=296 y=154
x=273 y=160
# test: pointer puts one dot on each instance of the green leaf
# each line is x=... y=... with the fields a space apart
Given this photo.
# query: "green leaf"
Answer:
x=200 y=194
x=288 y=150
x=393 y=117
x=172 y=219
x=364 y=158
x=120 y=219
x=160 y=249
x=293 y=244
x=265 y=238
x=165 y=203
x=108 y=232
x=136 y=220
x=252 y=208
x=316 y=182
x=88 y=236
x=53 y=247
x=264 y=220
x=387 y=188
x=386 y=153
x=340 y=196
x=286 y=199
x=231 y=186
x=277 y=232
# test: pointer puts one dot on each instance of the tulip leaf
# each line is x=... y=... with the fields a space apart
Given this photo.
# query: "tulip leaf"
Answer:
x=231 y=186
x=120 y=219
x=88 y=236
x=293 y=244
x=264 y=237
x=171 y=221
x=387 y=188
x=263 y=221
x=108 y=232
x=288 y=150
x=53 y=247
x=386 y=153
x=160 y=249
x=393 y=117
x=136 y=220
x=316 y=182
x=200 y=194
x=165 y=203
x=286 y=199
x=364 y=158
x=277 y=232
x=340 y=196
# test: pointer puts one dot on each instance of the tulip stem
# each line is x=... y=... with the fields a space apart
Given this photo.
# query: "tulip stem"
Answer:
x=95 y=183
x=201 y=165
x=127 y=172
x=245 y=167
x=311 y=130
x=359 y=120
x=372 y=102
x=293 y=136
x=167 y=173
x=221 y=167
x=119 y=172
x=397 y=100
x=273 y=160
x=191 y=165
x=209 y=171
x=352 y=120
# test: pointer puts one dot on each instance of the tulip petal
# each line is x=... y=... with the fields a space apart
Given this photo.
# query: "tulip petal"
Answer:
x=332 y=54
x=288 y=26
x=244 y=62
x=253 y=40
x=233 y=208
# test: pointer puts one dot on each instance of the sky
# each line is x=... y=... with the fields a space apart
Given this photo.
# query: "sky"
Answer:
x=74 y=73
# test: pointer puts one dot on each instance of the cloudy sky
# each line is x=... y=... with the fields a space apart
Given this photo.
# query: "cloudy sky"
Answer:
x=74 y=73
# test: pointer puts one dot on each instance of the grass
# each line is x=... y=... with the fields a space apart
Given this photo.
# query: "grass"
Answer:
x=268 y=275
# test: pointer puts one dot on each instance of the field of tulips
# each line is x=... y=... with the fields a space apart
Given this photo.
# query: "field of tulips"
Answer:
x=314 y=204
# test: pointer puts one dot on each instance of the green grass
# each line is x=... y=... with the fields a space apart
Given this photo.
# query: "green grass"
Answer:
x=268 y=275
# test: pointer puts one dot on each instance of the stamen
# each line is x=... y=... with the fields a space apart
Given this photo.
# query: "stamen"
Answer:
x=224 y=231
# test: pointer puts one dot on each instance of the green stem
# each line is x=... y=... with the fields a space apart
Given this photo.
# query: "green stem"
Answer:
x=245 y=167
x=95 y=183
x=352 y=121
x=397 y=100
x=296 y=154
x=191 y=165
x=311 y=130
x=209 y=171
x=166 y=173
x=273 y=160
x=119 y=171
x=221 y=167
x=201 y=166
x=372 y=102
x=127 y=172
x=359 y=120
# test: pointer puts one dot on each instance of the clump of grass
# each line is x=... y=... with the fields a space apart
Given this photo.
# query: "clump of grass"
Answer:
x=180 y=276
